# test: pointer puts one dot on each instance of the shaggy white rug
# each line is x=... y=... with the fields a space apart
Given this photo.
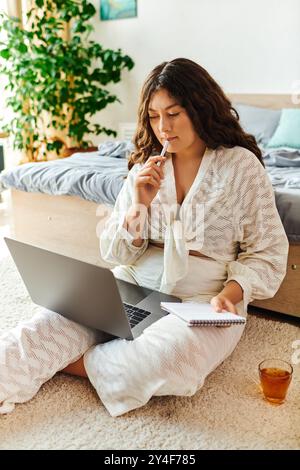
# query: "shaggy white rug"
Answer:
x=227 y=413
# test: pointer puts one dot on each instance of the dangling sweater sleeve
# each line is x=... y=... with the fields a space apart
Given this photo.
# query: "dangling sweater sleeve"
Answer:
x=263 y=245
x=115 y=241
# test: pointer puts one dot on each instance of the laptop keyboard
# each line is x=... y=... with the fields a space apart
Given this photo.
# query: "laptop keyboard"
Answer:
x=135 y=315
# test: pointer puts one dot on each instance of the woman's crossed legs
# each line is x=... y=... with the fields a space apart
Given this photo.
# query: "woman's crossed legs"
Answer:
x=169 y=358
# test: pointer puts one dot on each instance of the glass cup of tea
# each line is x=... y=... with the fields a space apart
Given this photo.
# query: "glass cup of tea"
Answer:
x=275 y=377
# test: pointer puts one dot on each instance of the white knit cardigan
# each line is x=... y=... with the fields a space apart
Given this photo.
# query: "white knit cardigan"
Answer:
x=229 y=214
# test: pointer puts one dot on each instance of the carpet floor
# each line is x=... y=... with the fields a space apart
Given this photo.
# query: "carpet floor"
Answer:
x=229 y=412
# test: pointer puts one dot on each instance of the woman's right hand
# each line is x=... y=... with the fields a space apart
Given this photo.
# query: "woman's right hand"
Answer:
x=148 y=180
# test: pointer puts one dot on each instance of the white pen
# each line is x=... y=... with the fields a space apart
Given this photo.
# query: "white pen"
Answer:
x=164 y=149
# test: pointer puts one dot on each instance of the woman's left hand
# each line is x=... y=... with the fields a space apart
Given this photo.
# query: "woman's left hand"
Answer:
x=221 y=302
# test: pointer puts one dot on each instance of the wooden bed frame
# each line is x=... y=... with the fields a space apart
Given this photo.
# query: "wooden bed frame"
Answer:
x=69 y=225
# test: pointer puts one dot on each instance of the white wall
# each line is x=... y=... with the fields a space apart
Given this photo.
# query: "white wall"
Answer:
x=248 y=46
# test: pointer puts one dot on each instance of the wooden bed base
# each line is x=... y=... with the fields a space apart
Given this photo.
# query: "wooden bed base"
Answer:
x=65 y=224
x=69 y=225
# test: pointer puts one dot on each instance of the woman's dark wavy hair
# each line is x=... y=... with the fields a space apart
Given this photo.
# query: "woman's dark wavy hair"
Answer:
x=211 y=112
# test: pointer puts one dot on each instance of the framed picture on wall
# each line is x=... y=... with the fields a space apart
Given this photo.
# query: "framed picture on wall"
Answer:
x=117 y=9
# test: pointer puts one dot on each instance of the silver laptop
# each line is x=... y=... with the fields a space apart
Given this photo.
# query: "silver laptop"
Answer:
x=86 y=293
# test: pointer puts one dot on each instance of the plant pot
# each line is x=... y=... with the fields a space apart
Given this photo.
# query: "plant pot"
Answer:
x=68 y=151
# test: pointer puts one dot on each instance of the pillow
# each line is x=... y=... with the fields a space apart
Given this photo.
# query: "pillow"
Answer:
x=116 y=148
x=288 y=131
x=260 y=122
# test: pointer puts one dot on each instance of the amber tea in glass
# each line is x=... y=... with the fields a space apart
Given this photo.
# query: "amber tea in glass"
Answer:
x=275 y=377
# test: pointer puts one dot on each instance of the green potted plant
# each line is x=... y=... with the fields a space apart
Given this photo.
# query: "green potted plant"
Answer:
x=56 y=77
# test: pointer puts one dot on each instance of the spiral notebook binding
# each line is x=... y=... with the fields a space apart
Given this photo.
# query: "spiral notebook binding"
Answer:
x=215 y=322
x=201 y=314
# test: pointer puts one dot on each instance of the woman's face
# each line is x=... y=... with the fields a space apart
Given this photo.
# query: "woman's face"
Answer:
x=170 y=121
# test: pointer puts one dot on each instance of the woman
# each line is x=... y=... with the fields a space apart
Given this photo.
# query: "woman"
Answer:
x=200 y=223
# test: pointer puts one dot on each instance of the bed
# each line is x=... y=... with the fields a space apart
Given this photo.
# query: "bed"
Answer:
x=71 y=220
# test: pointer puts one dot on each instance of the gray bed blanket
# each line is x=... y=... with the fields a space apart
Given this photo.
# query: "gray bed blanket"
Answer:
x=288 y=205
x=282 y=157
x=88 y=175
x=283 y=167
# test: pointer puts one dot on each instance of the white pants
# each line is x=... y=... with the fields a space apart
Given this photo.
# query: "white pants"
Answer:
x=169 y=358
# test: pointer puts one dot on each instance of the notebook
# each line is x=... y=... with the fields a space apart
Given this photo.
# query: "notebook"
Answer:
x=196 y=314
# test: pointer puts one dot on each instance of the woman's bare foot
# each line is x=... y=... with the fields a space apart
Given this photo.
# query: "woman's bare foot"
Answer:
x=76 y=368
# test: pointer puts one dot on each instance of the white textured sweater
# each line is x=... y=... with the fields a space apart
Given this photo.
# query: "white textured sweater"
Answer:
x=229 y=214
